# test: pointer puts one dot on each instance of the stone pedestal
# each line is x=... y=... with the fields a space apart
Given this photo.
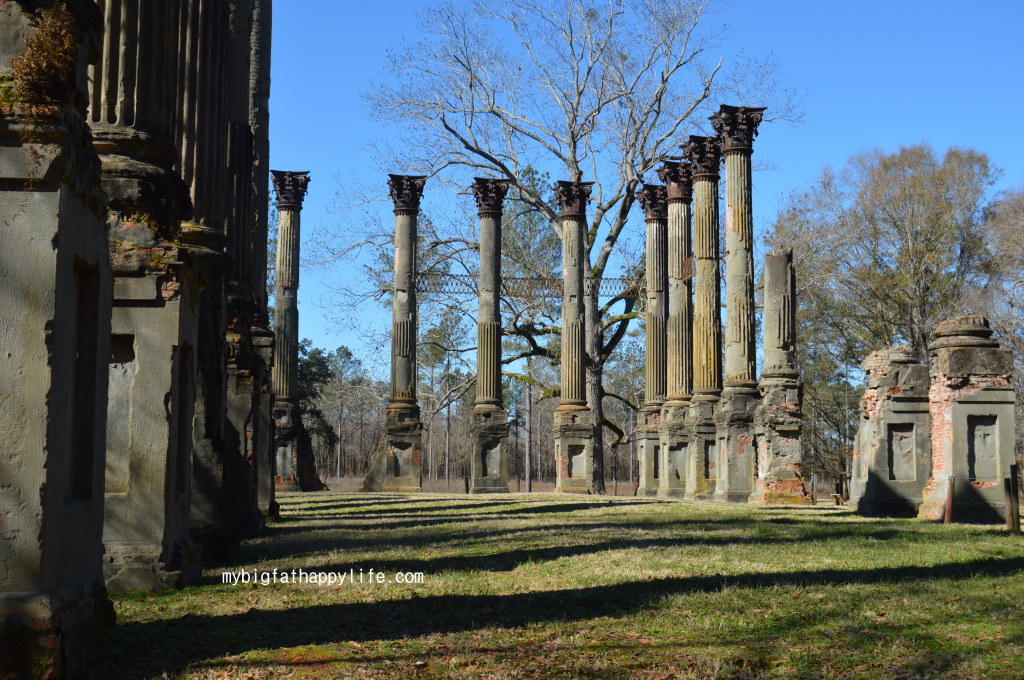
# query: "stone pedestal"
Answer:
x=973 y=430
x=892 y=451
x=653 y=199
x=704 y=156
x=263 y=423
x=55 y=336
x=573 y=421
x=778 y=421
x=489 y=466
x=737 y=126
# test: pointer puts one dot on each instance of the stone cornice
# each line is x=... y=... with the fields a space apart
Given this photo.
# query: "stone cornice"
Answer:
x=489 y=194
x=704 y=155
x=737 y=126
x=406 y=191
x=653 y=198
x=290 y=187
x=572 y=197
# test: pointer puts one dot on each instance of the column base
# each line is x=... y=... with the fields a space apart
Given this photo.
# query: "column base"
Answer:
x=674 y=432
x=143 y=567
x=574 y=451
x=649 y=459
x=397 y=465
x=702 y=461
x=489 y=465
x=736 y=444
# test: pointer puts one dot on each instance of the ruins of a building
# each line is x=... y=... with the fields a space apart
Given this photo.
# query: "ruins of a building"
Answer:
x=922 y=426
x=698 y=437
x=136 y=388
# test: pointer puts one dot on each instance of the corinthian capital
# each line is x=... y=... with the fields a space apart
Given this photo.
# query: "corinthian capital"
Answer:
x=290 y=188
x=704 y=154
x=572 y=197
x=737 y=126
x=489 y=194
x=653 y=199
x=406 y=191
x=677 y=178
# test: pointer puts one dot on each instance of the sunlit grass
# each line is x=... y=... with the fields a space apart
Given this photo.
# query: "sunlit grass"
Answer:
x=585 y=587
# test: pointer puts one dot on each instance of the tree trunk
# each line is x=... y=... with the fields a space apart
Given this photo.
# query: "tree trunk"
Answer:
x=595 y=388
x=529 y=426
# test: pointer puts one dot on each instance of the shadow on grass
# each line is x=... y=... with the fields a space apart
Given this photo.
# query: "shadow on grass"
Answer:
x=171 y=645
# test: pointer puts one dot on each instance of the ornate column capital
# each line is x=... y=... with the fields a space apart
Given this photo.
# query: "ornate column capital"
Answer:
x=572 y=197
x=490 y=195
x=290 y=187
x=653 y=199
x=704 y=155
x=677 y=178
x=737 y=126
x=406 y=191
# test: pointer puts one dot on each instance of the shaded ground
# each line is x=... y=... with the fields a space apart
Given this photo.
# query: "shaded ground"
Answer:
x=583 y=587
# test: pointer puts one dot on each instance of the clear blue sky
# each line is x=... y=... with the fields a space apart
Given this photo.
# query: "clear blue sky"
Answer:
x=874 y=73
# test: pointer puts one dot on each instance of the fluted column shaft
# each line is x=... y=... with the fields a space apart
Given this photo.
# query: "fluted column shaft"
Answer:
x=739 y=271
x=573 y=348
x=489 y=194
x=291 y=189
x=406 y=191
x=653 y=198
x=707 y=319
x=679 y=376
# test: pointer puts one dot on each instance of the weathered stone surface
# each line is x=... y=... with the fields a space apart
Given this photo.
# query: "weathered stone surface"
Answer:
x=653 y=198
x=55 y=340
x=918 y=429
x=971 y=401
x=778 y=419
x=489 y=465
x=672 y=428
x=397 y=466
x=573 y=420
x=891 y=459
x=704 y=156
x=737 y=127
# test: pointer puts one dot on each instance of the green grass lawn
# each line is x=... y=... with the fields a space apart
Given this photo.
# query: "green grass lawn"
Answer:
x=590 y=587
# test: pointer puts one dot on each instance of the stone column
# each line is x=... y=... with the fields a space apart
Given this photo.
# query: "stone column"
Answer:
x=262 y=336
x=290 y=188
x=157 y=291
x=778 y=420
x=737 y=126
x=489 y=466
x=574 y=422
x=704 y=155
x=653 y=199
x=397 y=467
x=55 y=333
x=674 y=427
